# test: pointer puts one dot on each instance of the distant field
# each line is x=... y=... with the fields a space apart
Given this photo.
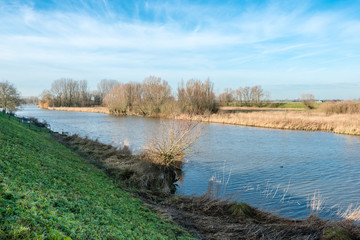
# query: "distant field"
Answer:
x=49 y=192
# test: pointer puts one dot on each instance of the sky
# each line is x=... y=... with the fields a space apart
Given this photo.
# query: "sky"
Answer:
x=287 y=47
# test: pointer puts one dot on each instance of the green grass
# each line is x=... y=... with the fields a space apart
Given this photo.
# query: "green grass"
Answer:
x=49 y=192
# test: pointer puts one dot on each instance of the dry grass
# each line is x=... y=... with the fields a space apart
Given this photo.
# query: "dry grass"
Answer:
x=82 y=109
x=316 y=204
x=351 y=213
x=304 y=120
x=121 y=164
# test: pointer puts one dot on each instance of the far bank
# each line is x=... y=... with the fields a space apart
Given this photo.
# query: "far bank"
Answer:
x=262 y=117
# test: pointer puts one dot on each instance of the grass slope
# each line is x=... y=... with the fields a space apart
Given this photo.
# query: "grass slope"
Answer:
x=49 y=192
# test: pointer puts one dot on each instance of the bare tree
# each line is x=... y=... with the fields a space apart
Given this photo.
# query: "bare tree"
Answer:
x=246 y=94
x=104 y=86
x=257 y=96
x=117 y=99
x=70 y=93
x=155 y=93
x=9 y=97
x=308 y=100
x=197 y=97
x=238 y=96
x=227 y=97
x=250 y=96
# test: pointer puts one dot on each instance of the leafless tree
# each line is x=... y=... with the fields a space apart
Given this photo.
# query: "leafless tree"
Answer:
x=257 y=96
x=250 y=96
x=227 y=97
x=155 y=93
x=105 y=85
x=246 y=94
x=67 y=92
x=197 y=97
x=9 y=97
x=308 y=100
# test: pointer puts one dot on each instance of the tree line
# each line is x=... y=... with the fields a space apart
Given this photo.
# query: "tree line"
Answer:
x=244 y=96
x=152 y=96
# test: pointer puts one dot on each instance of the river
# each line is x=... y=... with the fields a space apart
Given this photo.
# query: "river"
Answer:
x=275 y=170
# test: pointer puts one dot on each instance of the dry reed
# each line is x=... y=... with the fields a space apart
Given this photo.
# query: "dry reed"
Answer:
x=82 y=109
x=305 y=120
x=351 y=213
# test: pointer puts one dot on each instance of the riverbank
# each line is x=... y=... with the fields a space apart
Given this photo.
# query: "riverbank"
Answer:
x=65 y=189
x=48 y=191
x=203 y=216
x=278 y=119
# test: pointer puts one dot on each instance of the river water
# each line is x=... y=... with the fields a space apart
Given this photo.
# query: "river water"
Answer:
x=279 y=171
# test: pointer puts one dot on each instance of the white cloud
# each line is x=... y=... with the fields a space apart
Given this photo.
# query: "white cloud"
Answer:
x=199 y=40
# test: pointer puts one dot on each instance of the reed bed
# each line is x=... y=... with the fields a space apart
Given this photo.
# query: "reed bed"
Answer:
x=82 y=109
x=305 y=120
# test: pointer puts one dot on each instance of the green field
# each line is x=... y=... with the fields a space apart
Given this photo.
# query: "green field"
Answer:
x=49 y=192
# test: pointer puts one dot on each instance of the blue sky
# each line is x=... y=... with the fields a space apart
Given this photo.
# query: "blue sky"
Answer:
x=287 y=47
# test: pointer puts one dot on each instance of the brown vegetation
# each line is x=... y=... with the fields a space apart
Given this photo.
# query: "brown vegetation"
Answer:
x=196 y=97
x=67 y=92
x=153 y=97
x=80 y=109
x=171 y=143
x=299 y=120
x=343 y=107
x=308 y=100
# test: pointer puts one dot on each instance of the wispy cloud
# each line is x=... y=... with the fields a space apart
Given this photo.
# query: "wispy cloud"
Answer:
x=147 y=37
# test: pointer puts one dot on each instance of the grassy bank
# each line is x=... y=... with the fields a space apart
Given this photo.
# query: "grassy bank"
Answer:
x=49 y=192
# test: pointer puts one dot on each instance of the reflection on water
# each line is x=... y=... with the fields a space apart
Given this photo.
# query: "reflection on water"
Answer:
x=275 y=170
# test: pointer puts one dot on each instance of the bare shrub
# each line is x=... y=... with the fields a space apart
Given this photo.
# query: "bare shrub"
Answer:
x=116 y=100
x=155 y=93
x=172 y=143
x=343 y=107
x=197 y=97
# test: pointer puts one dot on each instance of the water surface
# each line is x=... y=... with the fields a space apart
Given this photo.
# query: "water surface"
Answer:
x=275 y=170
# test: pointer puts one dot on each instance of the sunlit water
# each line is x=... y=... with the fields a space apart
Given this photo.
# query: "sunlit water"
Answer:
x=274 y=170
